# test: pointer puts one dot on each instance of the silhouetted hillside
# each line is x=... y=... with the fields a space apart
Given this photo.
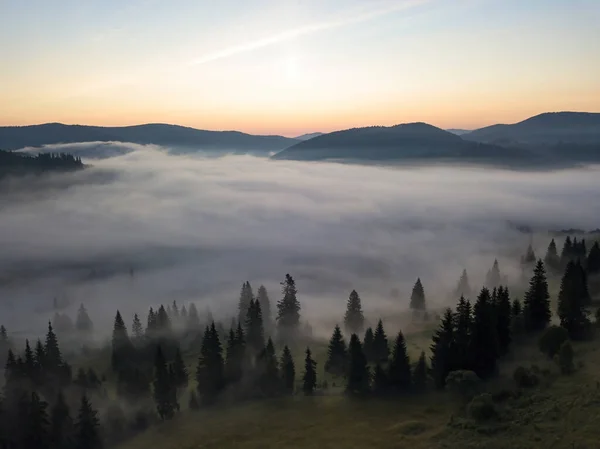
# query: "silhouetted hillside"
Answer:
x=20 y=164
x=308 y=136
x=458 y=132
x=551 y=128
x=407 y=141
x=15 y=137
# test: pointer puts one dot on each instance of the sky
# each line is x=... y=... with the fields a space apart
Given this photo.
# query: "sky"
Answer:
x=295 y=66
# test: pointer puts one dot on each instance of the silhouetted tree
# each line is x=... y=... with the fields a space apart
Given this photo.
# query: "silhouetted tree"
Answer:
x=137 y=330
x=566 y=254
x=309 y=379
x=83 y=323
x=552 y=260
x=484 y=340
x=193 y=322
x=35 y=428
x=493 y=277
x=163 y=396
x=288 y=311
x=572 y=301
x=122 y=348
x=255 y=334
x=381 y=349
x=61 y=424
x=399 y=377
x=502 y=308
x=463 y=288
x=463 y=326
x=270 y=378
x=354 y=319
x=337 y=355
x=368 y=345
x=380 y=381
x=265 y=306
x=417 y=297
x=443 y=359
x=246 y=295
x=288 y=371
x=593 y=260
x=180 y=371
x=536 y=308
x=87 y=433
x=210 y=371
x=358 y=378
x=419 y=378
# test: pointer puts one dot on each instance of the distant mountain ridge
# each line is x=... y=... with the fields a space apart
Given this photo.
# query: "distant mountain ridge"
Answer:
x=564 y=138
x=16 y=137
x=549 y=128
x=379 y=143
x=308 y=136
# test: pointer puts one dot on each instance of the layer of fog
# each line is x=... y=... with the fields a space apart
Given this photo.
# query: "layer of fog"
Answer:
x=193 y=229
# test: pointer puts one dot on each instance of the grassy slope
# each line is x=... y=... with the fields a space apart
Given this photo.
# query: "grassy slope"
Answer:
x=561 y=413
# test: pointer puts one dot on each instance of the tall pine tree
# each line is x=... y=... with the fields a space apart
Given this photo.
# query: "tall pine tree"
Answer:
x=419 y=378
x=443 y=358
x=552 y=260
x=463 y=288
x=246 y=296
x=484 y=342
x=288 y=311
x=163 y=387
x=381 y=349
x=358 y=378
x=417 y=297
x=399 y=376
x=255 y=334
x=87 y=432
x=367 y=346
x=502 y=308
x=493 y=277
x=354 y=319
x=572 y=301
x=309 y=379
x=288 y=371
x=536 y=307
x=337 y=355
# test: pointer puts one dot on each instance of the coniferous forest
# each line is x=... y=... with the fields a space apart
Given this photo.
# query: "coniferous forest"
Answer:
x=12 y=163
x=174 y=360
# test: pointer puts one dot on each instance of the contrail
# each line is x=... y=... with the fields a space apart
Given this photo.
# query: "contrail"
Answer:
x=302 y=31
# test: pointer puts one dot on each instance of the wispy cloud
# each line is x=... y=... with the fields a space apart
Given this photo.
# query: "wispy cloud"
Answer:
x=305 y=30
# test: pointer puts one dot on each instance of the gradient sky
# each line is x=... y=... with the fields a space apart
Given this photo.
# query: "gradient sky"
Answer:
x=294 y=66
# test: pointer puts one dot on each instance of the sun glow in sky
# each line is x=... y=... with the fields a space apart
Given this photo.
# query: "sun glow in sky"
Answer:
x=295 y=66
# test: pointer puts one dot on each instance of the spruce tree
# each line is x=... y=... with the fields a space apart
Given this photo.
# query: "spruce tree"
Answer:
x=163 y=320
x=83 y=323
x=463 y=326
x=354 y=319
x=572 y=301
x=183 y=314
x=358 y=378
x=552 y=260
x=419 y=378
x=61 y=424
x=210 y=374
x=337 y=355
x=52 y=355
x=381 y=382
x=463 y=288
x=232 y=367
x=593 y=260
x=137 y=330
x=516 y=308
x=443 y=358
x=493 y=277
x=566 y=254
x=87 y=433
x=193 y=322
x=381 y=349
x=246 y=296
x=417 y=297
x=399 y=377
x=502 y=308
x=151 y=324
x=288 y=311
x=288 y=371
x=35 y=429
x=162 y=387
x=255 y=334
x=368 y=345
x=528 y=260
x=309 y=379
x=265 y=306
x=28 y=362
x=536 y=307
x=180 y=371
x=484 y=347
x=122 y=349
x=270 y=378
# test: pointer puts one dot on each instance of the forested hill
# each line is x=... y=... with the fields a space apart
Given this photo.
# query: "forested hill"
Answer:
x=12 y=163
x=400 y=142
x=548 y=129
x=16 y=137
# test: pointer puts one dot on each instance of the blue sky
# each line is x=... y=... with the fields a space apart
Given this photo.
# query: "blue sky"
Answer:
x=296 y=66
